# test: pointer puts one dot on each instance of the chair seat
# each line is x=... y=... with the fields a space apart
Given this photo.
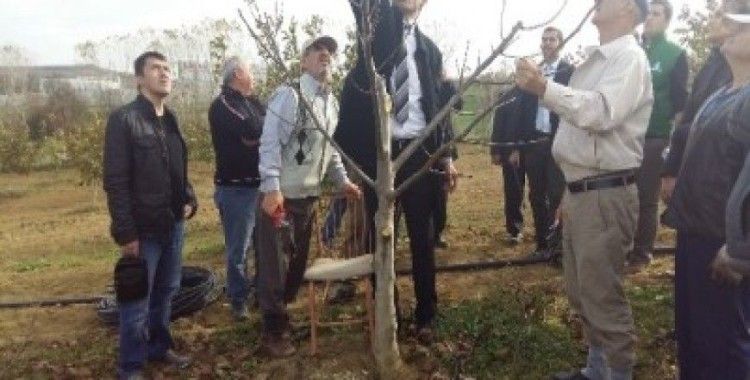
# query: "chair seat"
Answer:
x=327 y=269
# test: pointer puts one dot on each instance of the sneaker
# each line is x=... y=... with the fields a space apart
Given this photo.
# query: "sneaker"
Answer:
x=515 y=239
x=240 y=313
x=441 y=244
x=176 y=360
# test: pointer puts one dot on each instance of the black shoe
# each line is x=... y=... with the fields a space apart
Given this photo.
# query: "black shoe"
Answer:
x=425 y=335
x=574 y=375
x=440 y=244
x=277 y=346
x=541 y=255
x=342 y=292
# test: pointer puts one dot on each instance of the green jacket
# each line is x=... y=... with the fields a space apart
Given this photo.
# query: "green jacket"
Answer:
x=669 y=75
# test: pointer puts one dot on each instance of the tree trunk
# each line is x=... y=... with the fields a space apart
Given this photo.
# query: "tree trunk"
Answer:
x=386 y=347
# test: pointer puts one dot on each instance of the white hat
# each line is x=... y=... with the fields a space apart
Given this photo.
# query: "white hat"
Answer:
x=326 y=41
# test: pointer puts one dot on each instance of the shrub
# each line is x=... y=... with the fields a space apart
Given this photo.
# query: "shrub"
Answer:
x=18 y=153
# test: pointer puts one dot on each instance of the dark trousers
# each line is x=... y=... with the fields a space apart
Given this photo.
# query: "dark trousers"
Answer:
x=281 y=260
x=417 y=204
x=649 y=184
x=440 y=209
x=514 y=181
x=535 y=164
x=711 y=321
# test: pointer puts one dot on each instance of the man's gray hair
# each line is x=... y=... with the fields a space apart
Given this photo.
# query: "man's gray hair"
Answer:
x=230 y=66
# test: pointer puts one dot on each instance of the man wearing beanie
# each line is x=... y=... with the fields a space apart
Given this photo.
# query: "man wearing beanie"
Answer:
x=604 y=114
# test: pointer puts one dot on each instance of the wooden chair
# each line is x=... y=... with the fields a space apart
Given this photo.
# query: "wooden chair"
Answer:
x=341 y=262
x=327 y=270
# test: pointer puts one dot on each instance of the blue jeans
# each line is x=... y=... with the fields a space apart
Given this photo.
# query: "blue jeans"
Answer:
x=144 y=324
x=237 y=212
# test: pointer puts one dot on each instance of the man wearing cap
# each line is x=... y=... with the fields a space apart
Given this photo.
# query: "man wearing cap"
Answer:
x=669 y=75
x=411 y=65
x=294 y=158
x=604 y=114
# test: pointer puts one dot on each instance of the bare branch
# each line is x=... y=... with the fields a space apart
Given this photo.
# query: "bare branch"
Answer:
x=567 y=39
x=273 y=52
x=463 y=64
x=445 y=148
x=502 y=18
x=577 y=29
x=550 y=20
x=437 y=119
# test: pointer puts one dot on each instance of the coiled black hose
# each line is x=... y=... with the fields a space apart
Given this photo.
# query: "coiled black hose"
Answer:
x=198 y=289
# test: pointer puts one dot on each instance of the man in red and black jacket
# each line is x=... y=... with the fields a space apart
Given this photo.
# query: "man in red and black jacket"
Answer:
x=236 y=119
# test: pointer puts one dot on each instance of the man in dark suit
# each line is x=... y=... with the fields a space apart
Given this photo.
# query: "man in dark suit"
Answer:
x=411 y=65
x=528 y=138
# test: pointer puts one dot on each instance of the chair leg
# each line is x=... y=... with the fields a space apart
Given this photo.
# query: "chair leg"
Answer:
x=369 y=310
x=313 y=319
x=326 y=289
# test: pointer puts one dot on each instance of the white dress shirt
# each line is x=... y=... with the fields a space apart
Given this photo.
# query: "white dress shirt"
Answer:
x=604 y=112
x=543 y=123
x=416 y=121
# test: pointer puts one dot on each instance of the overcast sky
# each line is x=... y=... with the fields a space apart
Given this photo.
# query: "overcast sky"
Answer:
x=49 y=29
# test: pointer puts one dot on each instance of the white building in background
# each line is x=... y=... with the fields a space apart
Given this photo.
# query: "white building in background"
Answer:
x=88 y=81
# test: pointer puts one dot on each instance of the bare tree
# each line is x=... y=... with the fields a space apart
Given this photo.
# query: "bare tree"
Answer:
x=265 y=33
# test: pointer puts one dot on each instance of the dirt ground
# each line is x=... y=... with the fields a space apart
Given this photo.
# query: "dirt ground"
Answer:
x=54 y=235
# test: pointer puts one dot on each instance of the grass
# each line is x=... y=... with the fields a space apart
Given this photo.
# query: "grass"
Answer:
x=506 y=335
x=509 y=323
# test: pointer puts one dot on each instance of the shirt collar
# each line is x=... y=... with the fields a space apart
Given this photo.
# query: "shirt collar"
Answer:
x=310 y=85
x=554 y=63
x=610 y=48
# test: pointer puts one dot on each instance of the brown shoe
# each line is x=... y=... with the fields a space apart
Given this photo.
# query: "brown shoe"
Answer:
x=277 y=346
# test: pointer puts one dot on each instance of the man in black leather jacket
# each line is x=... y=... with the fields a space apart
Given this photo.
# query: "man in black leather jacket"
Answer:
x=149 y=196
